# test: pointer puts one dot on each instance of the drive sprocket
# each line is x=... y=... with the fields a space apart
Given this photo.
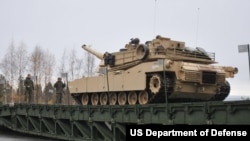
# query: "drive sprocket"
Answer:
x=155 y=83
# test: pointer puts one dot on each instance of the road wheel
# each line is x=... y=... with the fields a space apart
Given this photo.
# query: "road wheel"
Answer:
x=85 y=99
x=112 y=98
x=143 y=97
x=122 y=98
x=103 y=98
x=94 y=99
x=132 y=98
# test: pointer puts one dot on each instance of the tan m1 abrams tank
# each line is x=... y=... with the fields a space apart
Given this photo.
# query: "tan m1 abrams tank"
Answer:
x=158 y=71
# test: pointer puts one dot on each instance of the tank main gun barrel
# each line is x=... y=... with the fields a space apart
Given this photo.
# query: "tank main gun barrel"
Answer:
x=97 y=54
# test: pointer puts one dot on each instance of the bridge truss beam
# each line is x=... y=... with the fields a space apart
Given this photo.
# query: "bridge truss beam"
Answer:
x=108 y=123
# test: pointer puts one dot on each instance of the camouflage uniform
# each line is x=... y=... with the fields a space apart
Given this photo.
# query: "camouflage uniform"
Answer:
x=59 y=85
x=29 y=87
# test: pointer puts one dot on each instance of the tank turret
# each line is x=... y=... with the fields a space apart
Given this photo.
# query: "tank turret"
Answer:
x=158 y=71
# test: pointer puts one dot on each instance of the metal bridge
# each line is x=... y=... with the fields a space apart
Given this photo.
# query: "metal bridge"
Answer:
x=108 y=123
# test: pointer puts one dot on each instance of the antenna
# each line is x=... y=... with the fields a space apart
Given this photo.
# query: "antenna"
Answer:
x=197 y=28
x=155 y=17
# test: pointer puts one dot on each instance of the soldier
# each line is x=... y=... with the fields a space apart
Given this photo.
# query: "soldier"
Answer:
x=29 y=87
x=59 y=85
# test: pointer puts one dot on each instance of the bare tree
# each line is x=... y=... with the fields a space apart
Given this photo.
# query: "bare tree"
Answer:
x=48 y=64
x=89 y=65
x=9 y=66
x=22 y=58
x=47 y=68
x=72 y=64
x=37 y=58
x=62 y=67
x=79 y=68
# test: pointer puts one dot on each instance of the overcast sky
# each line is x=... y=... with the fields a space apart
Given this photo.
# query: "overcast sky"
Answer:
x=216 y=25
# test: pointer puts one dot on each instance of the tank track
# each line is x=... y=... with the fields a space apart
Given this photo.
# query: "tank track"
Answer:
x=221 y=94
x=160 y=97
